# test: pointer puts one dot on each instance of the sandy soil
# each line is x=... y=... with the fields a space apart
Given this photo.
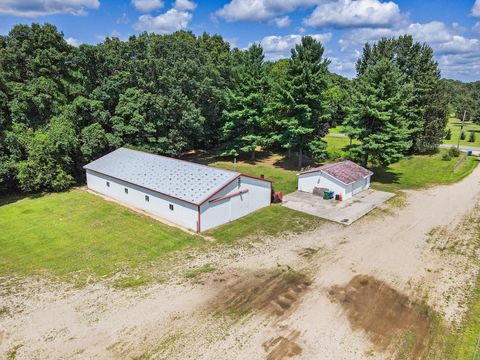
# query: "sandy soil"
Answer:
x=307 y=296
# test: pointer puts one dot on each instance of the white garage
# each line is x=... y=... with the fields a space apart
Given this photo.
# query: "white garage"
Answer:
x=346 y=178
x=195 y=196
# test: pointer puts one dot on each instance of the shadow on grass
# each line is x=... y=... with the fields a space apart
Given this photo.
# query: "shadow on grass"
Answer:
x=6 y=199
x=385 y=176
x=277 y=159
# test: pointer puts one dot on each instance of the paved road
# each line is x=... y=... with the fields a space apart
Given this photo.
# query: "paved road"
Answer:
x=443 y=146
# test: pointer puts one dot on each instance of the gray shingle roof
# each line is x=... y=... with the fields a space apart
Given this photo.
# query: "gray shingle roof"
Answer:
x=346 y=171
x=184 y=180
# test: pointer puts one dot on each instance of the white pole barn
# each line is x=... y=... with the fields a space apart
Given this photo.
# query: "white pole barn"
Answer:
x=195 y=196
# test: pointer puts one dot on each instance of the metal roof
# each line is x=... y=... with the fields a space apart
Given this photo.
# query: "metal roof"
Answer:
x=180 y=179
x=346 y=171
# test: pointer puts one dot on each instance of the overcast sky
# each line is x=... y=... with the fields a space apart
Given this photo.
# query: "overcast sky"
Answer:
x=452 y=27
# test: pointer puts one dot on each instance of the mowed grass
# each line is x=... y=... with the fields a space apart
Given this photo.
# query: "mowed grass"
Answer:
x=462 y=344
x=77 y=232
x=283 y=180
x=271 y=221
x=421 y=171
x=454 y=124
x=337 y=146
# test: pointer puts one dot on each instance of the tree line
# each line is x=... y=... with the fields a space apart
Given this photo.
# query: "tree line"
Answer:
x=63 y=106
x=464 y=99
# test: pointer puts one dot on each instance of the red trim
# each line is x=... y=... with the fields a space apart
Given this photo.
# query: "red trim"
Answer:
x=220 y=189
x=199 y=228
x=229 y=195
x=190 y=162
x=143 y=187
x=256 y=177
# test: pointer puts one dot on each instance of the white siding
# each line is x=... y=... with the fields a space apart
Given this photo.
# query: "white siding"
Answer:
x=183 y=213
x=216 y=213
x=308 y=181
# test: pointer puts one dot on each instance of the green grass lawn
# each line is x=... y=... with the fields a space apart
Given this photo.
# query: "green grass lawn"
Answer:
x=336 y=146
x=77 y=232
x=454 y=124
x=462 y=343
x=336 y=130
x=283 y=180
x=421 y=171
x=271 y=221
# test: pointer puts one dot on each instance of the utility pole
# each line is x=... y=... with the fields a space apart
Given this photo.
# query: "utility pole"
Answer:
x=461 y=129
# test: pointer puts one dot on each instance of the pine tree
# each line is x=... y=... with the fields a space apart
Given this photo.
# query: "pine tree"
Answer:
x=429 y=108
x=245 y=129
x=471 y=137
x=448 y=134
x=300 y=106
x=378 y=116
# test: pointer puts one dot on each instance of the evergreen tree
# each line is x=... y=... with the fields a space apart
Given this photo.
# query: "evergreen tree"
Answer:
x=379 y=114
x=300 y=105
x=471 y=137
x=245 y=127
x=448 y=134
x=429 y=107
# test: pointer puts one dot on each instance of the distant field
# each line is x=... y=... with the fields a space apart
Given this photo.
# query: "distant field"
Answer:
x=420 y=171
x=77 y=232
x=454 y=124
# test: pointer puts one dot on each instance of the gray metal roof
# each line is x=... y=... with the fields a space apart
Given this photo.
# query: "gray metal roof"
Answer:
x=177 y=178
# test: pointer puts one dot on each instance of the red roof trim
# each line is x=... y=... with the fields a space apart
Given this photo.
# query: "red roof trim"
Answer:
x=190 y=162
x=220 y=189
x=228 y=196
x=256 y=177
x=143 y=187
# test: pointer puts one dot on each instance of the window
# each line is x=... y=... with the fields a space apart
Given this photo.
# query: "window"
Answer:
x=147 y=198
x=108 y=183
x=126 y=190
x=170 y=206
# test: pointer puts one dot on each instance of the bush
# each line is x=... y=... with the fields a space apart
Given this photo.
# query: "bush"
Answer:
x=462 y=135
x=453 y=152
x=446 y=156
x=471 y=137
x=448 y=134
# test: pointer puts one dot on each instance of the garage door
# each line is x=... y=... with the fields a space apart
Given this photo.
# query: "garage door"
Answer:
x=359 y=186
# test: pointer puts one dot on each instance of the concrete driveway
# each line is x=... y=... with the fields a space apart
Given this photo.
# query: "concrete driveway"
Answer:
x=343 y=212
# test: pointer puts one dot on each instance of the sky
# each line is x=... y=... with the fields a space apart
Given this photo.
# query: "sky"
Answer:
x=451 y=28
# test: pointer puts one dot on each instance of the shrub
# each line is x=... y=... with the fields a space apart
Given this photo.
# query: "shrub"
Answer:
x=448 y=134
x=471 y=137
x=446 y=156
x=453 y=152
x=462 y=135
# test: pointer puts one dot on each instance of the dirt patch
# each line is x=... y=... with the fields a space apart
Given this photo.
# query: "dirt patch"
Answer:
x=273 y=292
x=281 y=347
x=308 y=252
x=383 y=313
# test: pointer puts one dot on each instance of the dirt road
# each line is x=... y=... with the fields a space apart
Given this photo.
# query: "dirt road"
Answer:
x=333 y=293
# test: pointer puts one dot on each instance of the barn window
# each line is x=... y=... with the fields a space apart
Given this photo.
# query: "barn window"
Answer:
x=108 y=183
x=147 y=198
x=170 y=206
x=126 y=190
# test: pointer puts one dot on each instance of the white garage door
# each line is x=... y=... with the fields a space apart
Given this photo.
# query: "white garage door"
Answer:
x=359 y=186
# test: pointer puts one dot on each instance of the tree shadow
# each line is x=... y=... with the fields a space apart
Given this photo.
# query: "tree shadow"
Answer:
x=6 y=199
x=385 y=175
